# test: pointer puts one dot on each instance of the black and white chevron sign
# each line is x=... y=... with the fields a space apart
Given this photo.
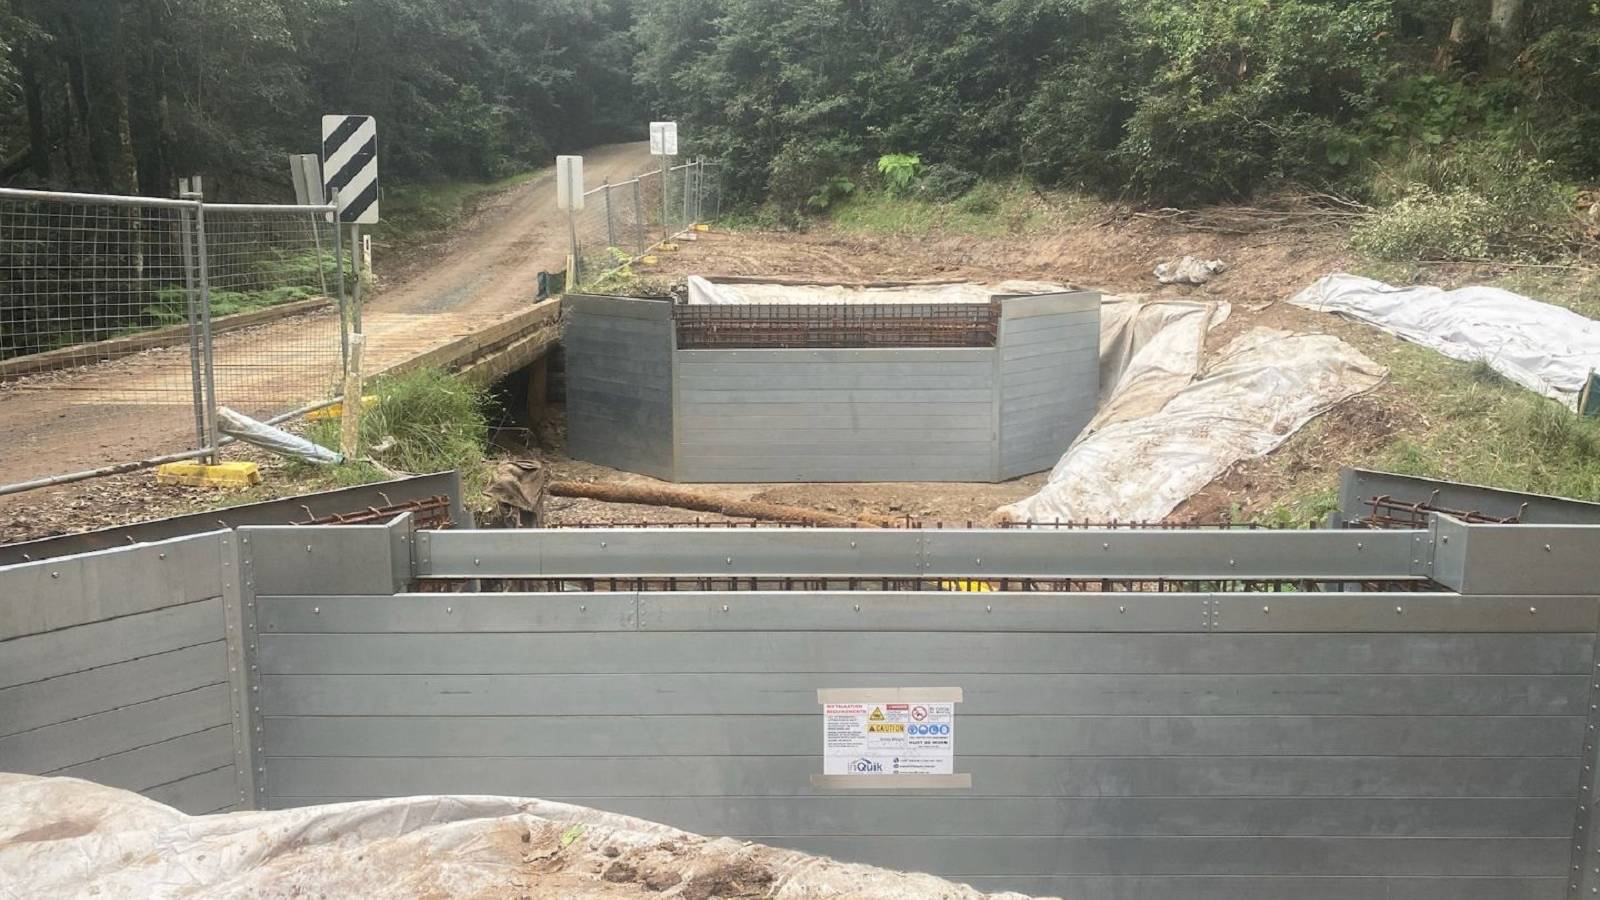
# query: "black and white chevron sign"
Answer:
x=350 y=166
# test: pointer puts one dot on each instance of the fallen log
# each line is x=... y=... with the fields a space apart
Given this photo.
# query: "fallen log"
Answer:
x=679 y=498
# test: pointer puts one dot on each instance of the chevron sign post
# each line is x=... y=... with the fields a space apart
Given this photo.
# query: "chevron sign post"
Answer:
x=350 y=166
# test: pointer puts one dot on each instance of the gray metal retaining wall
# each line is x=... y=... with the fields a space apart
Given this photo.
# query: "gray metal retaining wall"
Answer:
x=1429 y=745
x=619 y=382
x=635 y=402
x=115 y=667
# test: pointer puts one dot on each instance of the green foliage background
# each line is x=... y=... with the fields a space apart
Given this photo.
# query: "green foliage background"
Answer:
x=1162 y=101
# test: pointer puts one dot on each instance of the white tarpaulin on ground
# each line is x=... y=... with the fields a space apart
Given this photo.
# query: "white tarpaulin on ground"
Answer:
x=1149 y=351
x=61 y=838
x=1542 y=347
x=1263 y=388
x=715 y=293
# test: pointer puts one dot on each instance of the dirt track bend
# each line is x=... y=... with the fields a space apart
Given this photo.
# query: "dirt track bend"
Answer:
x=138 y=407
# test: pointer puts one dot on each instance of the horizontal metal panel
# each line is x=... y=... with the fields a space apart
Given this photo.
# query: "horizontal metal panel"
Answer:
x=198 y=794
x=904 y=355
x=913 y=652
x=1559 y=739
x=867 y=817
x=644 y=397
x=114 y=731
x=1022 y=306
x=1031 y=406
x=756 y=395
x=1357 y=487
x=339 y=559
x=1198 y=855
x=1302 y=779
x=158 y=764
x=976 y=467
x=601 y=305
x=1506 y=695
x=1198 y=554
x=804 y=444
x=688 y=410
x=1269 y=887
x=105 y=584
x=1403 y=613
x=690 y=366
x=74 y=649
x=1011 y=354
x=840 y=418
x=1530 y=559
x=109 y=687
x=736 y=432
x=825 y=379
x=560 y=612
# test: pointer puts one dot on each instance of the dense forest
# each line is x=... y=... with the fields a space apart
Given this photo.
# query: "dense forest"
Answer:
x=128 y=95
x=1460 y=106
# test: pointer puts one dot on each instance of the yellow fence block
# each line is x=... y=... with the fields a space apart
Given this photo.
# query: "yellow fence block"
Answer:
x=336 y=411
x=978 y=587
x=193 y=473
x=668 y=248
x=702 y=227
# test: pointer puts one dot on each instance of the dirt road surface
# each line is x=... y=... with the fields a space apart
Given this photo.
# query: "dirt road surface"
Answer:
x=139 y=407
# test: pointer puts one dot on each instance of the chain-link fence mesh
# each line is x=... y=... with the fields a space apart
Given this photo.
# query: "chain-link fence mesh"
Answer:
x=86 y=280
x=621 y=222
x=108 y=345
x=261 y=257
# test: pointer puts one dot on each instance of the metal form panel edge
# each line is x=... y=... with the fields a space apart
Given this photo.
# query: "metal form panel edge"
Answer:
x=1110 y=553
x=1585 y=876
x=238 y=610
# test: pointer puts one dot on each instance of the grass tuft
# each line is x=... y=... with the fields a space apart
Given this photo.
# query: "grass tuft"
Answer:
x=423 y=421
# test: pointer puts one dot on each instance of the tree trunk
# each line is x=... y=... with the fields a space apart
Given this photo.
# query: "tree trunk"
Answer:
x=1505 y=31
x=38 y=128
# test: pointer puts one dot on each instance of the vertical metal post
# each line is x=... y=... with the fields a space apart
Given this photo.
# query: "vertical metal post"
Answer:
x=699 y=188
x=186 y=226
x=611 y=234
x=344 y=303
x=355 y=263
x=638 y=216
x=206 y=345
x=687 y=168
x=573 y=265
x=666 y=171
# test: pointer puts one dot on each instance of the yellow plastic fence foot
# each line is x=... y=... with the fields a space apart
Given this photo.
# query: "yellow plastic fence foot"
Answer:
x=197 y=474
x=668 y=248
x=649 y=260
x=336 y=411
x=702 y=228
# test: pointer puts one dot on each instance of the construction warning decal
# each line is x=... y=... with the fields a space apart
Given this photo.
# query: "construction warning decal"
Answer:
x=888 y=738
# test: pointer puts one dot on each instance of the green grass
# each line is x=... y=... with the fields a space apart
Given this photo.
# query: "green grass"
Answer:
x=429 y=420
x=990 y=209
x=418 y=211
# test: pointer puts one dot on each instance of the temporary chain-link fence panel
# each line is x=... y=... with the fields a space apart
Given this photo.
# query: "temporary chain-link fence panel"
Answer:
x=622 y=221
x=126 y=316
x=87 y=279
x=270 y=256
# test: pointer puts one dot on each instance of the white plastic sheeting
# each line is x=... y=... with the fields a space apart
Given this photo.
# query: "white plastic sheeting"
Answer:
x=706 y=292
x=1542 y=347
x=1149 y=351
x=61 y=837
x=1263 y=388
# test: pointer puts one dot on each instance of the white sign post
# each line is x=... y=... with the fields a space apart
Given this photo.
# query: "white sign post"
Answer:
x=664 y=143
x=569 y=198
x=663 y=138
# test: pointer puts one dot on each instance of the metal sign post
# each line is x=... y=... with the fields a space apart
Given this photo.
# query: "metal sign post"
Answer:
x=569 y=198
x=664 y=143
x=350 y=175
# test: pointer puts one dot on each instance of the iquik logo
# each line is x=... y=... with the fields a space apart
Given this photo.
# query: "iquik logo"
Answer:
x=866 y=765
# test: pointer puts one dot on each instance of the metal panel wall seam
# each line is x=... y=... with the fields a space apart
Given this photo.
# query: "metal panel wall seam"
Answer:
x=1585 y=877
x=674 y=407
x=996 y=397
x=238 y=609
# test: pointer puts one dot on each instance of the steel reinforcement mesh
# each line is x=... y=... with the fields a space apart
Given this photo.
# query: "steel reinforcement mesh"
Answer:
x=836 y=325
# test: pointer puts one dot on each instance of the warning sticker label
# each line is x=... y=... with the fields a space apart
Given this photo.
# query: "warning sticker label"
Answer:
x=888 y=738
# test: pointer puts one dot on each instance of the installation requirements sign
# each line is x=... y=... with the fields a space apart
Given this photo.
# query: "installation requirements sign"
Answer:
x=888 y=738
